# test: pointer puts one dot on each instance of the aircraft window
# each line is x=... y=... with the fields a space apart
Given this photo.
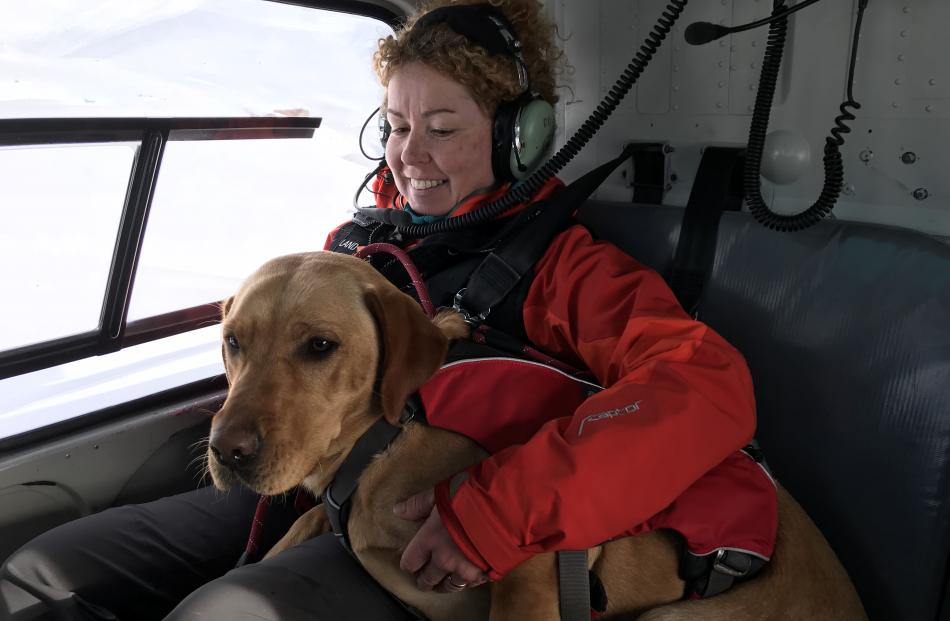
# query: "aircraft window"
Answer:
x=218 y=214
x=219 y=207
x=56 y=239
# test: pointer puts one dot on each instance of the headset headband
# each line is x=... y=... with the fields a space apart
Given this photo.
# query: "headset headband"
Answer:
x=483 y=25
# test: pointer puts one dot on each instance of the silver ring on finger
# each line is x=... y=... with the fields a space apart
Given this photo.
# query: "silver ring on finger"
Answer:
x=453 y=585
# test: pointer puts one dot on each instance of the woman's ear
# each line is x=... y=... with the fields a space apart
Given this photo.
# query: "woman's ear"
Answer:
x=412 y=347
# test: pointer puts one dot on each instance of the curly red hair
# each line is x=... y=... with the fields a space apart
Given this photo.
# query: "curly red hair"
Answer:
x=490 y=79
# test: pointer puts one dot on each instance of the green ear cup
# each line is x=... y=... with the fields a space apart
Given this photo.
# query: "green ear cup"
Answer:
x=533 y=134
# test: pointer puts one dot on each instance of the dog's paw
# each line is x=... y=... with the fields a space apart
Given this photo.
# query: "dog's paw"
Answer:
x=451 y=324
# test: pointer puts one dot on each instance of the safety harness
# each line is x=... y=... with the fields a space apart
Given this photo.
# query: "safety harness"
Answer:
x=728 y=518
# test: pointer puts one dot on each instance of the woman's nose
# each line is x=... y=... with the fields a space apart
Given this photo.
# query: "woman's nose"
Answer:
x=414 y=150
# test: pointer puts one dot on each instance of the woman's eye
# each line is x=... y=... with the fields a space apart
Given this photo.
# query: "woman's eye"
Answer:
x=442 y=133
x=399 y=130
x=232 y=342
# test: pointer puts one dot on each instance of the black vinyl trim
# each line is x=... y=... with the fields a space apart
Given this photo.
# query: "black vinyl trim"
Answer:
x=355 y=7
x=170 y=324
x=19 y=132
x=128 y=246
x=49 y=353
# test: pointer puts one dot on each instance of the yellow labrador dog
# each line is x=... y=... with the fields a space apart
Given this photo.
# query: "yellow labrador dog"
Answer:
x=318 y=346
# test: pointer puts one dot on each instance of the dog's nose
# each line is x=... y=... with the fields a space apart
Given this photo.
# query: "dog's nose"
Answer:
x=234 y=448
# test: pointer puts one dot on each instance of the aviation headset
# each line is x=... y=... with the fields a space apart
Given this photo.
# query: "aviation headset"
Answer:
x=522 y=129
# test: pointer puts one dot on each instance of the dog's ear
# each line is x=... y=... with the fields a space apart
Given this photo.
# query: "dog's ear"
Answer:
x=225 y=307
x=413 y=348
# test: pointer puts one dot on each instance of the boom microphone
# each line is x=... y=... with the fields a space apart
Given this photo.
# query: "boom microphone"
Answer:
x=699 y=33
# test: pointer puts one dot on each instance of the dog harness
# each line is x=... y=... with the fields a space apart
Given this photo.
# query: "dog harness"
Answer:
x=728 y=518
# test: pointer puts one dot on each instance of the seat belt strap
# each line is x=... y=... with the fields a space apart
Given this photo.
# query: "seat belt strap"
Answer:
x=714 y=191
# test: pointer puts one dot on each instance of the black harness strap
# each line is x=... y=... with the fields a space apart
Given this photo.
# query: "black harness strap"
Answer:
x=336 y=497
x=360 y=231
x=506 y=265
x=573 y=585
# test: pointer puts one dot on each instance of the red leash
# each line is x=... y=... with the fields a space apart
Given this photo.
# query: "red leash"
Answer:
x=421 y=291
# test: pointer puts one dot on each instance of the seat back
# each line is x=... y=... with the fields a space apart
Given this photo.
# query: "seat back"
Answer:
x=846 y=329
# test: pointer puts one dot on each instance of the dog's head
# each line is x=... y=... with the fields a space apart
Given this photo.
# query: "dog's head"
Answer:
x=316 y=347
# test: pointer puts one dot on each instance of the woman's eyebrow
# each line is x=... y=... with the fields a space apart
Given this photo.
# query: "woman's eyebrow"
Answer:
x=425 y=114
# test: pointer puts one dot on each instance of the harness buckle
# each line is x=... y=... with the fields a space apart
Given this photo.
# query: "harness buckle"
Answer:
x=721 y=563
x=469 y=318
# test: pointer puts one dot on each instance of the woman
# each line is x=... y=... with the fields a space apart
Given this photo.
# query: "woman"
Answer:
x=683 y=396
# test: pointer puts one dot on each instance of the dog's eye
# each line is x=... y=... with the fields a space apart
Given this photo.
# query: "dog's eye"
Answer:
x=320 y=347
x=232 y=342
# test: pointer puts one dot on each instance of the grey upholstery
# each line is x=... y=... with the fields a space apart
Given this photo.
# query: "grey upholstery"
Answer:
x=846 y=328
x=646 y=232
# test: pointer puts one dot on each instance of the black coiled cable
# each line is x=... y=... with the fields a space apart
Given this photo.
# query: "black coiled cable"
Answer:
x=834 y=167
x=526 y=189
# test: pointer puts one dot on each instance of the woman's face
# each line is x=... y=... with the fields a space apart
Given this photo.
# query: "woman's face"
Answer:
x=439 y=150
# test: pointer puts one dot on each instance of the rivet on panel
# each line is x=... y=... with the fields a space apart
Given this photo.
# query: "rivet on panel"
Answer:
x=928 y=108
x=866 y=156
x=904 y=33
x=906 y=9
x=719 y=104
x=676 y=87
x=895 y=105
x=932 y=82
x=752 y=65
x=897 y=81
x=921 y=194
x=676 y=106
x=722 y=63
x=908 y=157
x=848 y=189
x=721 y=84
x=900 y=58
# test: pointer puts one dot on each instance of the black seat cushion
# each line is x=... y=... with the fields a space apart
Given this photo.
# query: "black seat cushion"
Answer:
x=846 y=329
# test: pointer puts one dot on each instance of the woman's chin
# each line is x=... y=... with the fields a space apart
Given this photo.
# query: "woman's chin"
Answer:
x=434 y=202
x=430 y=208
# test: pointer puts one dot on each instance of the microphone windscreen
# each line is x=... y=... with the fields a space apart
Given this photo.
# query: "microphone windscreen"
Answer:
x=699 y=33
x=394 y=217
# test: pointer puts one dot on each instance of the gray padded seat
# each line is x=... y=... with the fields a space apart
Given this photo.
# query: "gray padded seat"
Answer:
x=846 y=328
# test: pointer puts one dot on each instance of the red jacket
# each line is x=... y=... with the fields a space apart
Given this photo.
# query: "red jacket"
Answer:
x=678 y=401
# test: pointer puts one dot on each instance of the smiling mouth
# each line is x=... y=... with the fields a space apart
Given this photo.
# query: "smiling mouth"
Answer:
x=425 y=184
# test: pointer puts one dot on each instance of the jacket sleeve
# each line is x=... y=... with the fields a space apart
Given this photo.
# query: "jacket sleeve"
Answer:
x=678 y=401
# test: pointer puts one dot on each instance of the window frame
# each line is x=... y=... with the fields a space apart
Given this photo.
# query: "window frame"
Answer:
x=114 y=332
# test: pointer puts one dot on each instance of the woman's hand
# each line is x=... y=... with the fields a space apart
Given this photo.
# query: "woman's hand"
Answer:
x=432 y=554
